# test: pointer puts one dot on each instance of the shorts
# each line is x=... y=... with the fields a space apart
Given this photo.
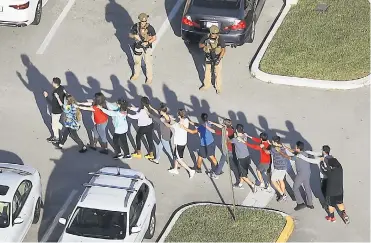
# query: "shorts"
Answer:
x=334 y=200
x=243 y=166
x=263 y=167
x=179 y=151
x=207 y=151
x=278 y=175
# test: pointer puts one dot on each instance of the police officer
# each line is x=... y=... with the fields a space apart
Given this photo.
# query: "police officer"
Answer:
x=214 y=47
x=144 y=35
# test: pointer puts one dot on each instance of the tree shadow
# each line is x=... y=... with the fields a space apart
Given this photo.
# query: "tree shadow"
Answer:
x=69 y=173
x=10 y=158
x=122 y=22
x=37 y=83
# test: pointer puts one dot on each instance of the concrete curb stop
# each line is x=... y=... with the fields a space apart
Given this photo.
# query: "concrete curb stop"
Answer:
x=283 y=237
x=296 y=81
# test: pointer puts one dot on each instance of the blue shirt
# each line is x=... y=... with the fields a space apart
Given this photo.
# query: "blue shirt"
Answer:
x=205 y=135
x=70 y=120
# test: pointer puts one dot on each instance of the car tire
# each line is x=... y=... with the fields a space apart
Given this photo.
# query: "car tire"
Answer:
x=152 y=225
x=251 y=35
x=38 y=13
x=37 y=212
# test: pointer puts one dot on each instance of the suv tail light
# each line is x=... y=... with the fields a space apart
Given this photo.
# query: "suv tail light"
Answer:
x=20 y=6
x=237 y=25
x=187 y=20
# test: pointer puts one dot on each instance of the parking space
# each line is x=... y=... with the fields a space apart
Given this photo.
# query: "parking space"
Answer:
x=89 y=50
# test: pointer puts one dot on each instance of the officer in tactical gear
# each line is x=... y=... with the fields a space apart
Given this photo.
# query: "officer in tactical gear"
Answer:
x=144 y=35
x=214 y=47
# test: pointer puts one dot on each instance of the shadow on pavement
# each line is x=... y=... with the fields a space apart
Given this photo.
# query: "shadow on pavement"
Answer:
x=10 y=157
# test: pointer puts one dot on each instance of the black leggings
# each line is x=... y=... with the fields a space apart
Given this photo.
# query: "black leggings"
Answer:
x=147 y=130
x=120 y=142
x=73 y=134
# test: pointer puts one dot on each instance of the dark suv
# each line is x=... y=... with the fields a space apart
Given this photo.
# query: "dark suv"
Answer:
x=236 y=19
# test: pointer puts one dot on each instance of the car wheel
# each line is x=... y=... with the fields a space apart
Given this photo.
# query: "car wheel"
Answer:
x=152 y=225
x=251 y=35
x=37 y=212
x=38 y=13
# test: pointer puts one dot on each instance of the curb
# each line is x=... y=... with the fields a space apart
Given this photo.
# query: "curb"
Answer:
x=296 y=81
x=283 y=237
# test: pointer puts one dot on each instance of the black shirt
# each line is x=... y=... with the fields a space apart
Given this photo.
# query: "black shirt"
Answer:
x=334 y=182
x=221 y=41
x=56 y=108
x=151 y=31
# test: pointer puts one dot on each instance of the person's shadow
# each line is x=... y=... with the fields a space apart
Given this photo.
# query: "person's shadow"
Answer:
x=122 y=22
x=37 y=83
x=198 y=57
x=65 y=182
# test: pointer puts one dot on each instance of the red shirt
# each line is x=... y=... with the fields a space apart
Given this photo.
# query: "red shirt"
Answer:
x=99 y=116
x=230 y=132
x=264 y=157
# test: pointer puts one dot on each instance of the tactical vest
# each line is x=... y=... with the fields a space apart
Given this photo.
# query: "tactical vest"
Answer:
x=213 y=47
x=143 y=32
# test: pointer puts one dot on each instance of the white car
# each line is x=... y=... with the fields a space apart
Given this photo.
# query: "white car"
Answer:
x=20 y=13
x=117 y=205
x=20 y=200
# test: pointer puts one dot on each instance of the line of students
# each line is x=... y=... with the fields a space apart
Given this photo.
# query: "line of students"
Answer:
x=274 y=156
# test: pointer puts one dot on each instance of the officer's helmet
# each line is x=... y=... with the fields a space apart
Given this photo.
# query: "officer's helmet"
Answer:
x=214 y=30
x=143 y=17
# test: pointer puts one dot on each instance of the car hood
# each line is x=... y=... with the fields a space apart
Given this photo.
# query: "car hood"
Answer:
x=75 y=238
x=4 y=234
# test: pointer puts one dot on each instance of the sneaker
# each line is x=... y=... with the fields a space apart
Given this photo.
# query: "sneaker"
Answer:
x=104 y=151
x=238 y=185
x=254 y=189
x=218 y=91
x=149 y=156
x=51 y=139
x=213 y=176
x=128 y=156
x=83 y=150
x=345 y=217
x=58 y=145
x=330 y=219
x=198 y=170
x=300 y=206
x=284 y=197
x=192 y=174
x=173 y=171
x=134 y=77
x=279 y=198
x=155 y=161
x=310 y=206
x=136 y=156
x=118 y=156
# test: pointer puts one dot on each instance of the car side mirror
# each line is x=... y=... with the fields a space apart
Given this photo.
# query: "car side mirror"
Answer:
x=18 y=221
x=62 y=221
x=136 y=229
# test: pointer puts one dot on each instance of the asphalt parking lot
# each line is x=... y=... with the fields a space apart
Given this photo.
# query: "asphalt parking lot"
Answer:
x=89 y=51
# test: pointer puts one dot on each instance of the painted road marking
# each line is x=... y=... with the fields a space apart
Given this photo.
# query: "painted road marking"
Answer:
x=63 y=209
x=55 y=27
x=166 y=23
x=44 y=2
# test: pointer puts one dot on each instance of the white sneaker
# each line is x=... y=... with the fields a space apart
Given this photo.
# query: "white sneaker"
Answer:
x=254 y=189
x=191 y=174
x=156 y=161
x=173 y=171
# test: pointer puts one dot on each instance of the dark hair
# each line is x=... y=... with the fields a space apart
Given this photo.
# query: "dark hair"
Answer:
x=100 y=99
x=123 y=104
x=276 y=139
x=239 y=128
x=263 y=136
x=182 y=113
x=300 y=145
x=227 y=122
x=70 y=99
x=57 y=81
x=163 y=107
x=326 y=149
x=144 y=102
x=204 y=117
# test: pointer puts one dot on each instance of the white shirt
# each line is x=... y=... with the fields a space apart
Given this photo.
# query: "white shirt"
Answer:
x=180 y=135
x=143 y=117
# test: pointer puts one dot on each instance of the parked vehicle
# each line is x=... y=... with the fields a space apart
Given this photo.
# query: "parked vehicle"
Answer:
x=236 y=19
x=20 y=13
x=20 y=201
x=117 y=205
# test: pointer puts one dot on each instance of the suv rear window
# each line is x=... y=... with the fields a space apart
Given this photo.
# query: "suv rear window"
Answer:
x=225 y=4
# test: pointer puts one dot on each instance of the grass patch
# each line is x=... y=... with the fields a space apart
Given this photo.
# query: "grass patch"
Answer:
x=334 y=45
x=207 y=223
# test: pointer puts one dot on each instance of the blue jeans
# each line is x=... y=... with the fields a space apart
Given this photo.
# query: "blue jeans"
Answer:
x=163 y=144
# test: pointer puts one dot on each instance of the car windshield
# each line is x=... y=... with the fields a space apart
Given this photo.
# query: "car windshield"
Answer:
x=98 y=223
x=4 y=214
x=224 y=4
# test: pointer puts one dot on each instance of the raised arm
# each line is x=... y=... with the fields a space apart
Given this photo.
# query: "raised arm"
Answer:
x=315 y=154
x=216 y=124
x=109 y=112
x=309 y=160
x=87 y=103
x=191 y=131
x=86 y=108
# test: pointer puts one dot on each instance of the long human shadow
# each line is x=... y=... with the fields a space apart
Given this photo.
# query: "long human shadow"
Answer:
x=10 y=158
x=122 y=22
x=69 y=173
x=37 y=83
x=199 y=60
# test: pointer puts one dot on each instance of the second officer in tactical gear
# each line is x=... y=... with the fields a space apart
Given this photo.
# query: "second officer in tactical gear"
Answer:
x=144 y=35
x=214 y=47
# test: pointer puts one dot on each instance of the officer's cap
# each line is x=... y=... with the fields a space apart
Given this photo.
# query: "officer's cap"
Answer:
x=214 y=29
x=143 y=17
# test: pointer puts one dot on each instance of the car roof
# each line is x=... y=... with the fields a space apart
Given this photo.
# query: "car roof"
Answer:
x=12 y=180
x=110 y=190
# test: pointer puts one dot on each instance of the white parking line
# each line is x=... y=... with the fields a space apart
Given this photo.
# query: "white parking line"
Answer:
x=56 y=219
x=166 y=23
x=54 y=28
x=44 y=2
